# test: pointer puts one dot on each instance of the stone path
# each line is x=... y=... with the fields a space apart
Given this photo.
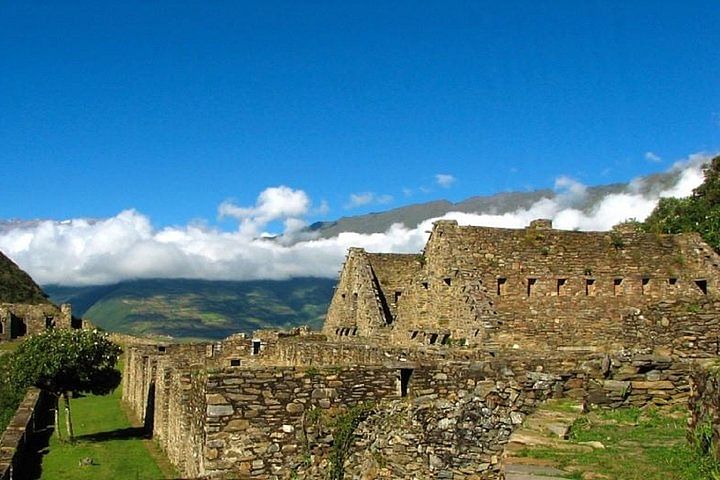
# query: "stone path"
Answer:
x=548 y=427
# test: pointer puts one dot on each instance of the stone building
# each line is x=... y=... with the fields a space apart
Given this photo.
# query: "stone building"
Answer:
x=20 y=319
x=453 y=347
x=526 y=288
x=24 y=307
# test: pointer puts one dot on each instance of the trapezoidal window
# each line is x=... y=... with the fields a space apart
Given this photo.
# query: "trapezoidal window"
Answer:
x=433 y=338
x=617 y=286
x=531 y=284
x=561 y=288
x=702 y=286
x=502 y=286
x=413 y=335
x=447 y=281
x=644 y=285
x=672 y=282
x=405 y=375
x=590 y=287
x=445 y=339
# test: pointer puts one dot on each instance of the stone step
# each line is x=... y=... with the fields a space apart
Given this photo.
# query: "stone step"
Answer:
x=537 y=470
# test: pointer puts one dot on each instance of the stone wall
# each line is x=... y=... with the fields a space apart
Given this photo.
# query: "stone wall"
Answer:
x=704 y=403
x=16 y=442
x=252 y=419
x=18 y=320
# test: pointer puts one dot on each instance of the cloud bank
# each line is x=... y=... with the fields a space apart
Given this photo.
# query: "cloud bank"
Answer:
x=128 y=246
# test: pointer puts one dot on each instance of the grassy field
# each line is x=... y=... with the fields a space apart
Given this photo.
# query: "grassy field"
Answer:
x=639 y=445
x=103 y=433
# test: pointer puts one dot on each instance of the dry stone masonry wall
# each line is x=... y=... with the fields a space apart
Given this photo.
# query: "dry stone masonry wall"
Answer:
x=427 y=362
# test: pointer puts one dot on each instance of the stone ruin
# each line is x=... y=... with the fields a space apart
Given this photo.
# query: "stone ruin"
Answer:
x=20 y=319
x=434 y=358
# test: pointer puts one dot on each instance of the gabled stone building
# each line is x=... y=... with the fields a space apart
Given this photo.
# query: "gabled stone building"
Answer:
x=534 y=288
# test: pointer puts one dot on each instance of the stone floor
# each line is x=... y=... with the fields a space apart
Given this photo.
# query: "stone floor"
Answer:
x=548 y=427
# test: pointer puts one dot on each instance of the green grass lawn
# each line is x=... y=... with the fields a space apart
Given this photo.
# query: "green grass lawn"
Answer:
x=103 y=434
x=639 y=445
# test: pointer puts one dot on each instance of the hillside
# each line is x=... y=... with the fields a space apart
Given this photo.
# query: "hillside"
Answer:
x=16 y=286
x=195 y=309
x=500 y=203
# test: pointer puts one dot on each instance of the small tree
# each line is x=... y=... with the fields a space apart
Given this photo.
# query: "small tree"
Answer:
x=62 y=362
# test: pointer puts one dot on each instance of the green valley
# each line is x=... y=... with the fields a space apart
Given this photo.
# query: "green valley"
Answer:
x=199 y=309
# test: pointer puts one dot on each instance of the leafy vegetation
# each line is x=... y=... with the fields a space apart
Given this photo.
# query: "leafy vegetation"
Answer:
x=638 y=445
x=10 y=394
x=343 y=435
x=63 y=362
x=697 y=213
x=199 y=309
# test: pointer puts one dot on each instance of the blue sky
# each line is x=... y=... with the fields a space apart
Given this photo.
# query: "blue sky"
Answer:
x=172 y=108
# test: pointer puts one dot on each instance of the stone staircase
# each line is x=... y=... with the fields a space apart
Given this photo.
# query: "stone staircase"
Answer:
x=547 y=427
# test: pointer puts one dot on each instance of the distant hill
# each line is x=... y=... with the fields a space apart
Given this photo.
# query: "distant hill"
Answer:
x=16 y=286
x=498 y=204
x=199 y=309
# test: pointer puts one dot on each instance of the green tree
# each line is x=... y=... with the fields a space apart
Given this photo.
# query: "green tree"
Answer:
x=698 y=213
x=63 y=362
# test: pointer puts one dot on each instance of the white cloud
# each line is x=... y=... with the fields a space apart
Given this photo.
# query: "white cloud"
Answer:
x=652 y=157
x=274 y=203
x=445 y=180
x=367 y=198
x=126 y=246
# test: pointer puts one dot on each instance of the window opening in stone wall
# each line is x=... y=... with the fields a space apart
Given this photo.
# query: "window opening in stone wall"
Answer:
x=397 y=296
x=433 y=338
x=590 y=287
x=354 y=331
x=405 y=375
x=49 y=322
x=162 y=348
x=644 y=285
x=425 y=285
x=234 y=362
x=447 y=281
x=342 y=295
x=531 y=283
x=561 y=283
x=445 y=339
x=501 y=286
x=477 y=332
x=2 y=328
x=702 y=285
x=617 y=286
x=413 y=335
x=255 y=347
x=337 y=331
x=18 y=327
x=672 y=281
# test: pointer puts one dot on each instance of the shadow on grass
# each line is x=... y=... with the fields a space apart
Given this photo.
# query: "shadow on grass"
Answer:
x=30 y=466
x=129 y=433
